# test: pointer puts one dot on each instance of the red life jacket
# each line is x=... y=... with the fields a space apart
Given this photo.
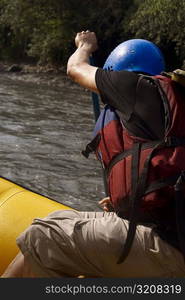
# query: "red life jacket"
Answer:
x=141 y=173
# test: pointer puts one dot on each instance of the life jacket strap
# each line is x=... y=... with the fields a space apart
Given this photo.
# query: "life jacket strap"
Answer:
x=126 y=153
x=92 y=146
x=141 y=190
x=161 y=183
x=136 y=200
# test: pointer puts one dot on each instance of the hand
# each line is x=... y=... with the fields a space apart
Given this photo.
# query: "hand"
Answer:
x=106 y=204
x=88 y=39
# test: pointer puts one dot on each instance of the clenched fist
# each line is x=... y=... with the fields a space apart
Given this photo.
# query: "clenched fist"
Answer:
x=87 y=39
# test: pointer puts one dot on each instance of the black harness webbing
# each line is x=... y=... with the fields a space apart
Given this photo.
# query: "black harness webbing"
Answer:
x=135 y=200
x=92 y=146
x=137 y=195
x=126 y=153
x=135 y=168
x=133 y=205
x=161 y=183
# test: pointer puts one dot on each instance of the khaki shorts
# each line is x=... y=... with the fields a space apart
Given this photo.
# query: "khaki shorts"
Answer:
x=75 y=243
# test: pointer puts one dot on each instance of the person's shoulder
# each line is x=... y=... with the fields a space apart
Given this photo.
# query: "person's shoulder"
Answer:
x=118 y=74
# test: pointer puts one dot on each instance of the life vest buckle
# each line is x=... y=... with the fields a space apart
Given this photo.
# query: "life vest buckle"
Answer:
x=92 y=146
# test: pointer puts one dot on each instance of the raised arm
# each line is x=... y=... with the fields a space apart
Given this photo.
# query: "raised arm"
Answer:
x=78 y=66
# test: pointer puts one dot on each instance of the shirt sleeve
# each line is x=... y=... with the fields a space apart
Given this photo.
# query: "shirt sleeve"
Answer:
x=117 y=88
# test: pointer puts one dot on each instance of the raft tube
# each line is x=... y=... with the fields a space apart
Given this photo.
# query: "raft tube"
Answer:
x=18 y=207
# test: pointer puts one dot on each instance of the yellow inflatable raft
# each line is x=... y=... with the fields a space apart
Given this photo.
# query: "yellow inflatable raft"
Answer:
x=18 y=207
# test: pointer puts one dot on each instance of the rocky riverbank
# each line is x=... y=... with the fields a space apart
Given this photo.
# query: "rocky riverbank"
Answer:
x=50 y=75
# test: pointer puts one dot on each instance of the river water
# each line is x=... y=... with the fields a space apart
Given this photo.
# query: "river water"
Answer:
x=43 y=129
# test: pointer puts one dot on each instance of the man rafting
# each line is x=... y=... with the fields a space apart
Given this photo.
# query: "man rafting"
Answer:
x=139 y=139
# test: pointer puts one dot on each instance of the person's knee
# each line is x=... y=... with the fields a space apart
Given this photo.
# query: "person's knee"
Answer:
x=15 y=268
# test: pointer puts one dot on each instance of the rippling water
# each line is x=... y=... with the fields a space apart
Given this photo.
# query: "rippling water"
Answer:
x=43 y=130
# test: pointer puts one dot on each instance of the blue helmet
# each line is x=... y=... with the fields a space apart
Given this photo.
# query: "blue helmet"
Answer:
x=136 y=55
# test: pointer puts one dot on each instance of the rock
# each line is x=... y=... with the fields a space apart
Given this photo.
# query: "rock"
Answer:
x=15 y=68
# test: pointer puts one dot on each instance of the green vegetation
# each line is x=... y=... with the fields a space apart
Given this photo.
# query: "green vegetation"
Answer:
x=44 y=30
